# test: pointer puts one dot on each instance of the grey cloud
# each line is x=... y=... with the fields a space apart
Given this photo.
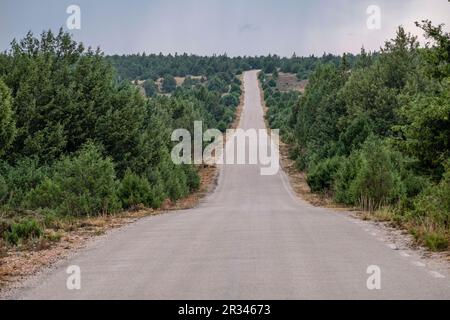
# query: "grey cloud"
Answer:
x=248 y=27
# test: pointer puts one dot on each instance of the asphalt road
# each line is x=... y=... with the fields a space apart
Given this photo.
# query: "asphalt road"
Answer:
x=250 y=239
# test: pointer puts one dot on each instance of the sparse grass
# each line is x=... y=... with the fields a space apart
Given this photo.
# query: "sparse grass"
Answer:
x=436 y=242
x=23 y=230
x=99 y=232
x=385 y=214
x=3 y=251
x=53 y=236
x=434 y=238
x=38 y=244
x=425 y=233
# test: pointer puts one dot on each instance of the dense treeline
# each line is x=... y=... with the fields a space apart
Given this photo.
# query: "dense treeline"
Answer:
x=152 y=66
x=377 y=135
x=281 y=105
x=75 y=140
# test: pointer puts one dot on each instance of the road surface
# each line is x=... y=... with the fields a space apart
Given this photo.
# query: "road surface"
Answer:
x=250 y=239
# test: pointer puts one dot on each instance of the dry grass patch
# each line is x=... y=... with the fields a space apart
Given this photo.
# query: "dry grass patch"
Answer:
x=289 y=81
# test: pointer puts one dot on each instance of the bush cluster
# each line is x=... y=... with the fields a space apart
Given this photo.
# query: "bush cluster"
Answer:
x=374 y=131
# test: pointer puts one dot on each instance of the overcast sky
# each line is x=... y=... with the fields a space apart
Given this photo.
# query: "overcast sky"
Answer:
x=237 y=27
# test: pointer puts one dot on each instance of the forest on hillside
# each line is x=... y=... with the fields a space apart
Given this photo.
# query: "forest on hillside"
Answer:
x=152 y=66
x=375 y=133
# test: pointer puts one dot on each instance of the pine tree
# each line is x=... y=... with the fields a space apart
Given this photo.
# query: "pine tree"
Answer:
x=7 y=123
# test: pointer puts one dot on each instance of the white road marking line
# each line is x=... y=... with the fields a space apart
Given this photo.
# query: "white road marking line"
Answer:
x=418 y=264
x=437 y=274
x=404 y=254
x=392 y=246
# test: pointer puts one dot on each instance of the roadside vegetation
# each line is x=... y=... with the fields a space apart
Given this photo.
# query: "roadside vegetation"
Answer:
x=373 y=131
x=77 y=141
x=83 y=134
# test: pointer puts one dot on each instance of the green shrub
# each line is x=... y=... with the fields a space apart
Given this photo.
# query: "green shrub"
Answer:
x=3 y=190
x=80 y=185
x=434 y=202
x=7 y=121
x=435 y=241
x=25 y=175
x=321 y=175
x=378 y=172
x=150 y=88
x=236 y=88
x=374 y=179
x=300 y=162
x=169 y=84
x=54 y=236
x=5 y=226
x=294 y=152
x=222 y=126
x=172 y=177
x=272 y=83
x=47 y=195
x=176 y=183
x=230 y=100
x=217 y=84
x=134 y=190
x=23 y=230
x=413 y=186
x=444 y=188
x=157 y=185
x=51 y=219
x=377 y=175
x=228 y=117
x=344 y=176
x=192 y=178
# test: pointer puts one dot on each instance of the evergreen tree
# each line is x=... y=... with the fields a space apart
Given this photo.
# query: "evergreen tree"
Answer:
x=7 y=123
x=150 y=88
x=169 y=84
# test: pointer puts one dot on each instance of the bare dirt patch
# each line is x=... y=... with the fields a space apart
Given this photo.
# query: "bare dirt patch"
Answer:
x=289 y=81
x=21 y=262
